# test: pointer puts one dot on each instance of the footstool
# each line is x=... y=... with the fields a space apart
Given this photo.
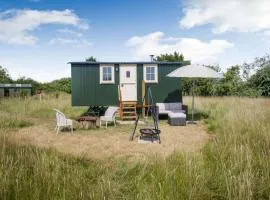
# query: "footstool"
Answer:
x=177 y=119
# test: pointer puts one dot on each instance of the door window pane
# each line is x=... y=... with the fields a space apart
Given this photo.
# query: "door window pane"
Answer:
x=128 y=74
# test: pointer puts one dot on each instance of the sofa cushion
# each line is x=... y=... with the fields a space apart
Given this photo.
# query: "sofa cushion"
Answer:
x=177 y=115
x=165 y=108
x=175 y=106
x=161 y=106
x=164 y=112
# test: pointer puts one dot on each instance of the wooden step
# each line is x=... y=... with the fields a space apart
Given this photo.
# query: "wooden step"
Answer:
x=129 y=102
x=129 y=117
x=126 y=105
x=129 y=112
x=129 y=108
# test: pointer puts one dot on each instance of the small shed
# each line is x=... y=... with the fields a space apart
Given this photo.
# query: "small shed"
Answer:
x=15 y=90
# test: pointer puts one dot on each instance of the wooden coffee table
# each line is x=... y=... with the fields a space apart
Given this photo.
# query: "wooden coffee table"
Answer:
x=87 y=121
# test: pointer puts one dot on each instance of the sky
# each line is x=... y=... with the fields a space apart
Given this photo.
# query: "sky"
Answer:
x=39 y=37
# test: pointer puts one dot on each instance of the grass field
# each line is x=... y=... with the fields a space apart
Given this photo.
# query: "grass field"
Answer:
x=234 y=165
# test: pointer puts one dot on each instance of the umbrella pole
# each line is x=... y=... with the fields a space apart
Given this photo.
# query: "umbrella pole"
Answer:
x=192 y=119
x=193 y=84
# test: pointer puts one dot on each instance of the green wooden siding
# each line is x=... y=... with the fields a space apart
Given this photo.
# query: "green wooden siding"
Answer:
x=87 y=90
x=166 y=90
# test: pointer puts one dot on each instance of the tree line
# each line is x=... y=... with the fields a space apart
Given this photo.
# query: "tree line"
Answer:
x=60 y=85
x=249 y=79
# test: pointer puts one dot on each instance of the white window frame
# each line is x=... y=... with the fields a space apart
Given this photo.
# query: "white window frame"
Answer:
x=156 y=73
x=101 y=81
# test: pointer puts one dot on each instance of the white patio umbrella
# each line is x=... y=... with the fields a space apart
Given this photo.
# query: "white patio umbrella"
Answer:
x=195 y=71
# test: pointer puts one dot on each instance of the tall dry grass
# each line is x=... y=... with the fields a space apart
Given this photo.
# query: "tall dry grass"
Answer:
x=21 y=112
x=234 y=165
x=237 y=162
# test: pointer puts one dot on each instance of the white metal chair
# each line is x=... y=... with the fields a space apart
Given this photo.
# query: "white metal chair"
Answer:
x=109 y=116
x=62 y=121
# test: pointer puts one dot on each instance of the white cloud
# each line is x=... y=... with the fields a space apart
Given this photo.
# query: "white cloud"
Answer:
x=70 y=32
x=227 y=15
x=16 y=25
x=78 y=43
x=192 y=48
x=266 y=33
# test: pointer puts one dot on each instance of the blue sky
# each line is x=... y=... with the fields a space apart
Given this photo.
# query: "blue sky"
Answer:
x=39 y=37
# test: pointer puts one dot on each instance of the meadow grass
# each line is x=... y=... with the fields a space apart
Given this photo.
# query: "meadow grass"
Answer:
x=234 y=165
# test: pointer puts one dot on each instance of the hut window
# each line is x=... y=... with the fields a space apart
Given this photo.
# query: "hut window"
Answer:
x=106 y=74
x=150 y=73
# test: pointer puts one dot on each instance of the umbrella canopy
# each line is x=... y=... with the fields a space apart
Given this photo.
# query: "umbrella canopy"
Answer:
x=195 y=71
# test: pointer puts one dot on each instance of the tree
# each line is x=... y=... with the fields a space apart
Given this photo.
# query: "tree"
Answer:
x=257 y=75
x=4 y=75
x=232 y=82
x=204 y=87
x=175 y=57
x=261 y=80
x=258 y=64
x=24 y=80
x=91 y=59
x=63 y=85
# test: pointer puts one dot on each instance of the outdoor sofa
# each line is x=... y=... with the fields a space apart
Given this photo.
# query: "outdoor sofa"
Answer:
x=176 y=112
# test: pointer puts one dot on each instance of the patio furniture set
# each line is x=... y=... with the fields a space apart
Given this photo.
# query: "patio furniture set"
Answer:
x=90 y=120
x=176 y=117
x=86 y=121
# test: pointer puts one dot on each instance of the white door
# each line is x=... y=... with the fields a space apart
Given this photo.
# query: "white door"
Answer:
x=128 y=82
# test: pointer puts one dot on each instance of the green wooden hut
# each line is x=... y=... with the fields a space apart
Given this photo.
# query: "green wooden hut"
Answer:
x=15 y=90
x=99 y=83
